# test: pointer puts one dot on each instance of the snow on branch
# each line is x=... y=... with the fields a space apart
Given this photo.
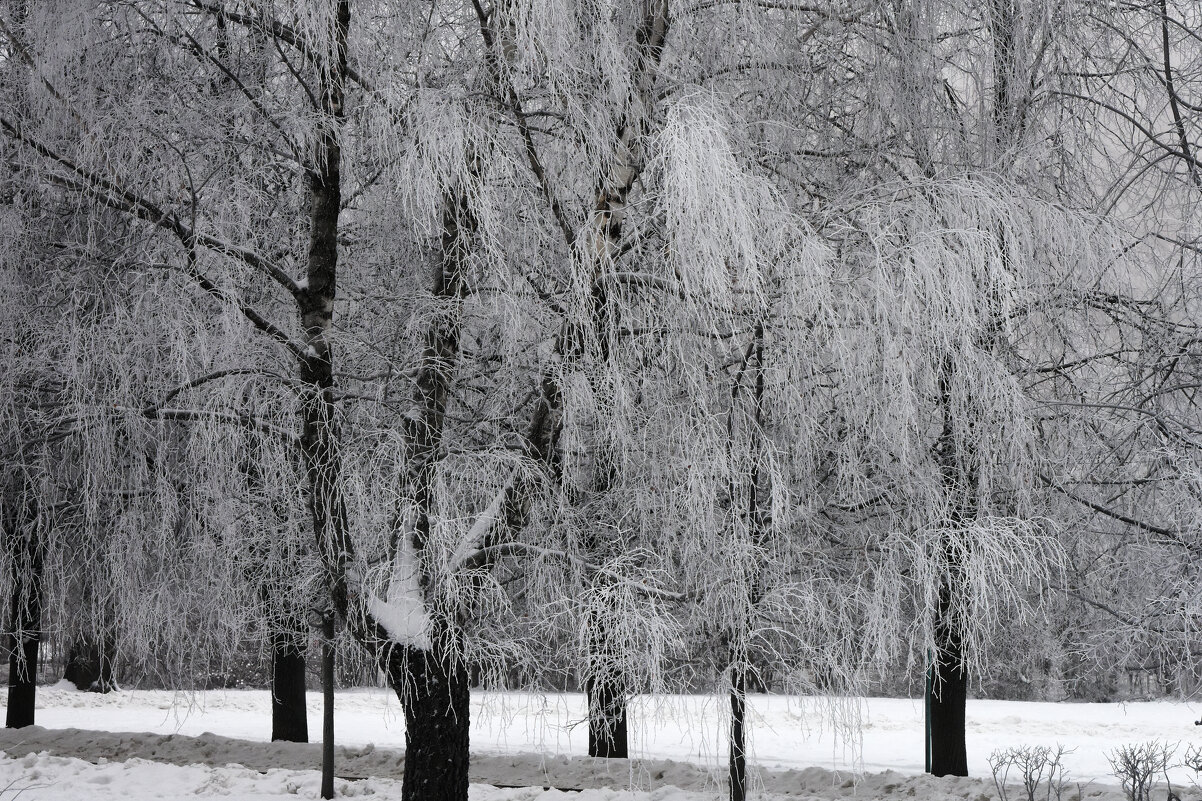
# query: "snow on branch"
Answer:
x=402 y=611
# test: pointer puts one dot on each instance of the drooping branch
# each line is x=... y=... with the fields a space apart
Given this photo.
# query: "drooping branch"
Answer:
x=283 y=32
x=511 y=98
x=128 y=201
x=1174 y=102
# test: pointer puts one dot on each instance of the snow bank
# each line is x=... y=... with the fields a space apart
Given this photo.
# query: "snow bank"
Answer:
x=44 y=777
x=539 y=739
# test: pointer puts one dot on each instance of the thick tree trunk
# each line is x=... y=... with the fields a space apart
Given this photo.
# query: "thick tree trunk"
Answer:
x=947 y=698
x=947 y=679
x=607 y=730
x=606 y=693
x=22 y=683
x=289 y=715
x=433 y=689
x=23 y=660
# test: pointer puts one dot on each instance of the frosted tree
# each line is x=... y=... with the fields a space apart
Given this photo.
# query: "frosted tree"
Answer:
x=947 y=218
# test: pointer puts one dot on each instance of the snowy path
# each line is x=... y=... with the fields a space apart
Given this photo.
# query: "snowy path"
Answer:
x=520 y=739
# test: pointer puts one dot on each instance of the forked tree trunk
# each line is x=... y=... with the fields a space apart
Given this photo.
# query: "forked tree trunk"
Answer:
x=433 y=689
x=289 y=715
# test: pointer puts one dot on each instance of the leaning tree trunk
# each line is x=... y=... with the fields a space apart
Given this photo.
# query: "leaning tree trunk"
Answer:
x=27 y=552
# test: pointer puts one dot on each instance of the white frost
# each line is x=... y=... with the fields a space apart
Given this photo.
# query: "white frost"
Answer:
x=474 y=539
x=402 y=611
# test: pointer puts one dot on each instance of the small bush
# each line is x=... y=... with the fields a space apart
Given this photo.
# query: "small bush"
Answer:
x=1037 y=765
x=1137 y=766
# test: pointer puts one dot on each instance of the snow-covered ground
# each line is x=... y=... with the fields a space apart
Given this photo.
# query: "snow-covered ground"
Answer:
x=802 y=749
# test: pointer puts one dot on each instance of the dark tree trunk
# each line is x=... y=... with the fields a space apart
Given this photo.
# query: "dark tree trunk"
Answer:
x=607 y=730
x=738 y=738
x=289 y=715
x=90 y=665
x=327 y=707
x=23 y=660
x=947 y=679
x=433 y=690
x=947 y=698
x=22 y=683
x=27 y=549
x=319 y=442
x=603 y=687
x=740 y=664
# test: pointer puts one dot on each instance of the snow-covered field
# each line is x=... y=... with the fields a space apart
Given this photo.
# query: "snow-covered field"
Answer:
x=116 y=746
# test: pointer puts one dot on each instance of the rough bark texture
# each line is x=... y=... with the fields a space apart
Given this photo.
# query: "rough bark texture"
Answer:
x=289 y=719
x=433 y=689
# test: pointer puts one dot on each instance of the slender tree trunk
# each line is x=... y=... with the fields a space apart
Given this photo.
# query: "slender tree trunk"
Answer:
x=433 y=689
x=25 y=547
x=27 y=550
x=319 y=441
x=739 y=658
x=607 y=727
x=738 y=736
x=289 y=714
x=327 y=710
